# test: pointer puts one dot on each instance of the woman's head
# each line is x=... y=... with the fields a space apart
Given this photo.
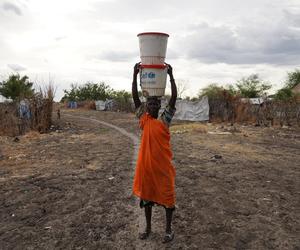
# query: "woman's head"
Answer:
x=153 y=106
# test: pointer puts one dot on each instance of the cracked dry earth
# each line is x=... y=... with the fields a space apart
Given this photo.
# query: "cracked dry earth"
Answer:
x=71 y=188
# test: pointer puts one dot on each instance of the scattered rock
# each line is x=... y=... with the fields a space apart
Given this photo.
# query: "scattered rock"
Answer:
x=216 y=157
x=266 y=199
x=16 y=139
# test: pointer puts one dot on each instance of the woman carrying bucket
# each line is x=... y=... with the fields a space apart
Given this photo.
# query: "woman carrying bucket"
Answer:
x=154 y=181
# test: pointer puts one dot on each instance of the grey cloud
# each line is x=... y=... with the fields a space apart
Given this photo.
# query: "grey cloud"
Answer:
x=292 y=18
x=12 y=7
x=16 y=67
x=132 y=10
x=210 y=44
x=172 y=54
x=273 y=44
x=117 y=56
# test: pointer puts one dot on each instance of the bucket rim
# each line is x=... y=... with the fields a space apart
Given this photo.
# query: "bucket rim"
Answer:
x=153 y=66
x=153 y=33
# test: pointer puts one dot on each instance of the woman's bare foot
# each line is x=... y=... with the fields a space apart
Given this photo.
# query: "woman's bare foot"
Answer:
x=145 y=234
x=168 y=237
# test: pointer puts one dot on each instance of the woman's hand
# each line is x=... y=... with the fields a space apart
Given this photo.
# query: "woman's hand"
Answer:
x=170 y=70
x=136 y=69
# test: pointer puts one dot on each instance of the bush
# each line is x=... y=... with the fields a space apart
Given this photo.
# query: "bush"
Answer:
x=252 y=86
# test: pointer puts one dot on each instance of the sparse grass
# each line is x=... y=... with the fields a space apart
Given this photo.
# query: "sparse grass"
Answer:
x=183 y=128
x=103 y=130
x=32 y=135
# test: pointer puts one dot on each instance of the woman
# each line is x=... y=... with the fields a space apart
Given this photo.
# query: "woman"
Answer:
x=154 y=181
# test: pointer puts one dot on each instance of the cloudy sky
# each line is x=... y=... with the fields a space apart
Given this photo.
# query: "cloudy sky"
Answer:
x=220 y=41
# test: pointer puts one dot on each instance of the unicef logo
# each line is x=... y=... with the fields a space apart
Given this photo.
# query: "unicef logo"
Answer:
x=148 y=75
x=151 y=75
x=144 y=75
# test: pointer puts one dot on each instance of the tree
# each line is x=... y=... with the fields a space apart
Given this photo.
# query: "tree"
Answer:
x=286 y=93
x=232 y=90
x=121 y=95
x=252 y=86
x=70 y=95
x=88 y=91
x=211 y=91
x=293 y=79
x=122 y=100
x=16 y=87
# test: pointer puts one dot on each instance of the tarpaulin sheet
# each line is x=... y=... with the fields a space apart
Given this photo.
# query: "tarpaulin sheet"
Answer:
x=100 y=105
x=192 y=111
x=105 y=105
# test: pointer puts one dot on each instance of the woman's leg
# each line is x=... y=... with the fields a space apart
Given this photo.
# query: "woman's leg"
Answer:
x=148 y=214
x=169 y=234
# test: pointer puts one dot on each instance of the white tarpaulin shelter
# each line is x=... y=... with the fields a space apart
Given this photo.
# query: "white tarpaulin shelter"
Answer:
x=192 y=111
x=104 y=105
x=256 y=101
x=185 y=110
x=100 y=105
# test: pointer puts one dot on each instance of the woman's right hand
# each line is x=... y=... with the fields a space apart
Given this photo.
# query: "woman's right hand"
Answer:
x=170 y=69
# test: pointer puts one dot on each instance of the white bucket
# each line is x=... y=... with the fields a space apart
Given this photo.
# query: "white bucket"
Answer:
x=153 y=80
x=153 y=47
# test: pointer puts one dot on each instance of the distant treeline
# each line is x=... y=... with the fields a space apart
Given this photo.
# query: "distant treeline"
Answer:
x=94 y=92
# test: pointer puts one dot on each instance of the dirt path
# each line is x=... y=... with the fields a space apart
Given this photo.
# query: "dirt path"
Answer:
x=137 y=211
x=236 y=188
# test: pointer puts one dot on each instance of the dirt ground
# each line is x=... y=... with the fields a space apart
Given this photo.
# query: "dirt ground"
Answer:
x=236 y=187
